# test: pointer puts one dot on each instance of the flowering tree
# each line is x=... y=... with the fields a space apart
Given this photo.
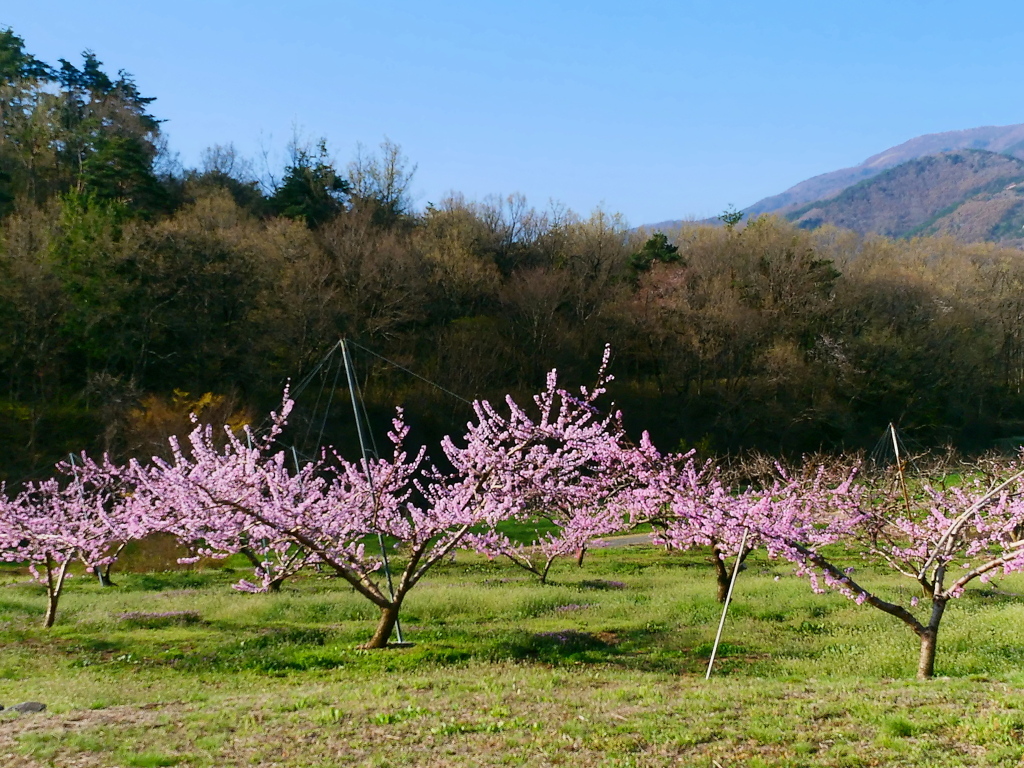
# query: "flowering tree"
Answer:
x=572 y=471
x=227 y=498
x=50 y=525
x=951 y=538
x=689 y=506
x=243 y=496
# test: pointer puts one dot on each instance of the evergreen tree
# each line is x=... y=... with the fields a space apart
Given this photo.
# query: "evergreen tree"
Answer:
x=312 y=190
x=108 y=137
x=20 y=77
x=657 y=248
x=16 y=64
x=121 y=168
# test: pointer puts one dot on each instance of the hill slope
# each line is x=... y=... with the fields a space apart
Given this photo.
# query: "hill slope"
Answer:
x=1007 y=139
x=974 y=194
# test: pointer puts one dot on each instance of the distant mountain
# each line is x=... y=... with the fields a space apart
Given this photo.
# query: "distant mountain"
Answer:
x=1007 y=140
x=974 y=194
x=971 y=197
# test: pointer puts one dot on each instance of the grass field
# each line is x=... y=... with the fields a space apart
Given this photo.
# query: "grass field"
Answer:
x=604 y=667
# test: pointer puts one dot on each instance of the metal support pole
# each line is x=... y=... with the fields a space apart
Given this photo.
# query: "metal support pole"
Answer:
x=899 y=467
x=350 y=376
x=728 y=598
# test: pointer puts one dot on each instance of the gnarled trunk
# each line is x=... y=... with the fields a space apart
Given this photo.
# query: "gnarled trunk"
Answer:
x=103 y=575
x=546 y=569
x=722 y=575
x=386 y=625
x=722 y=579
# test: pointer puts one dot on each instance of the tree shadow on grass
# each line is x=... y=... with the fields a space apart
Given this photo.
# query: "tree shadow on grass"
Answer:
x=11 y=607
x=159 y=620
x=167 y=580
x=992 y=596
x=559 y=647
x=655 y=649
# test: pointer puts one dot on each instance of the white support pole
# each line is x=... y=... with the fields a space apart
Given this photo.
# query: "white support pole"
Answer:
x=728 y=598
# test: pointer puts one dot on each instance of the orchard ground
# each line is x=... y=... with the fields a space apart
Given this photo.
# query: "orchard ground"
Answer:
x=604 y=667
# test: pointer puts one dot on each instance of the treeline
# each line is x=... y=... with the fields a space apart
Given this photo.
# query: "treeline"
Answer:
x=133 y=290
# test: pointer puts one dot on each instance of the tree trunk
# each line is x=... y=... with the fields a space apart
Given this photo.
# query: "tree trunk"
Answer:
x=722 y=576
x=546 y=569
x=275 y=585
x=51 y=609
x=103 y=572
x=929 y=640
x=54 y=586
x=580 y=554
x=722 y=573
x=388 y=619
x=106 y=575
x=103 y=575
x=926 y=662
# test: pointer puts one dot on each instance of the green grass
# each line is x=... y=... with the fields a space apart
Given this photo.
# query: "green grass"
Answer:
x=603 y=667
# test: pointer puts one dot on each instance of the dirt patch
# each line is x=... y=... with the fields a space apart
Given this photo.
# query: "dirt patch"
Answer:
x=14 y=727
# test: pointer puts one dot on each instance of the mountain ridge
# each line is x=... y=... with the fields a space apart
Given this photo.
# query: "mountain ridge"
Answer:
x=962 y=183
x=919 y=196
x=1006 y=139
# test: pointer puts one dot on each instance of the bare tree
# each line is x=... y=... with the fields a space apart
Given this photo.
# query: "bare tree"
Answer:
x=382 y=181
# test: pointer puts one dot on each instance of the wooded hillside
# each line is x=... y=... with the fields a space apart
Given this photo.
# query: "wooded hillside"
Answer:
x=133 y=291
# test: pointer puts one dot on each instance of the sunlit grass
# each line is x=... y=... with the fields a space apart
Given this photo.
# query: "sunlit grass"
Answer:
x=604 y=666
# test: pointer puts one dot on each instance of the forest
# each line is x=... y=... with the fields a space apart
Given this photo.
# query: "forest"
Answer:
x=134 y=291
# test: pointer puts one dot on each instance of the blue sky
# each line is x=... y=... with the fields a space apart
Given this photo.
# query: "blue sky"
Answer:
x=655 y=110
